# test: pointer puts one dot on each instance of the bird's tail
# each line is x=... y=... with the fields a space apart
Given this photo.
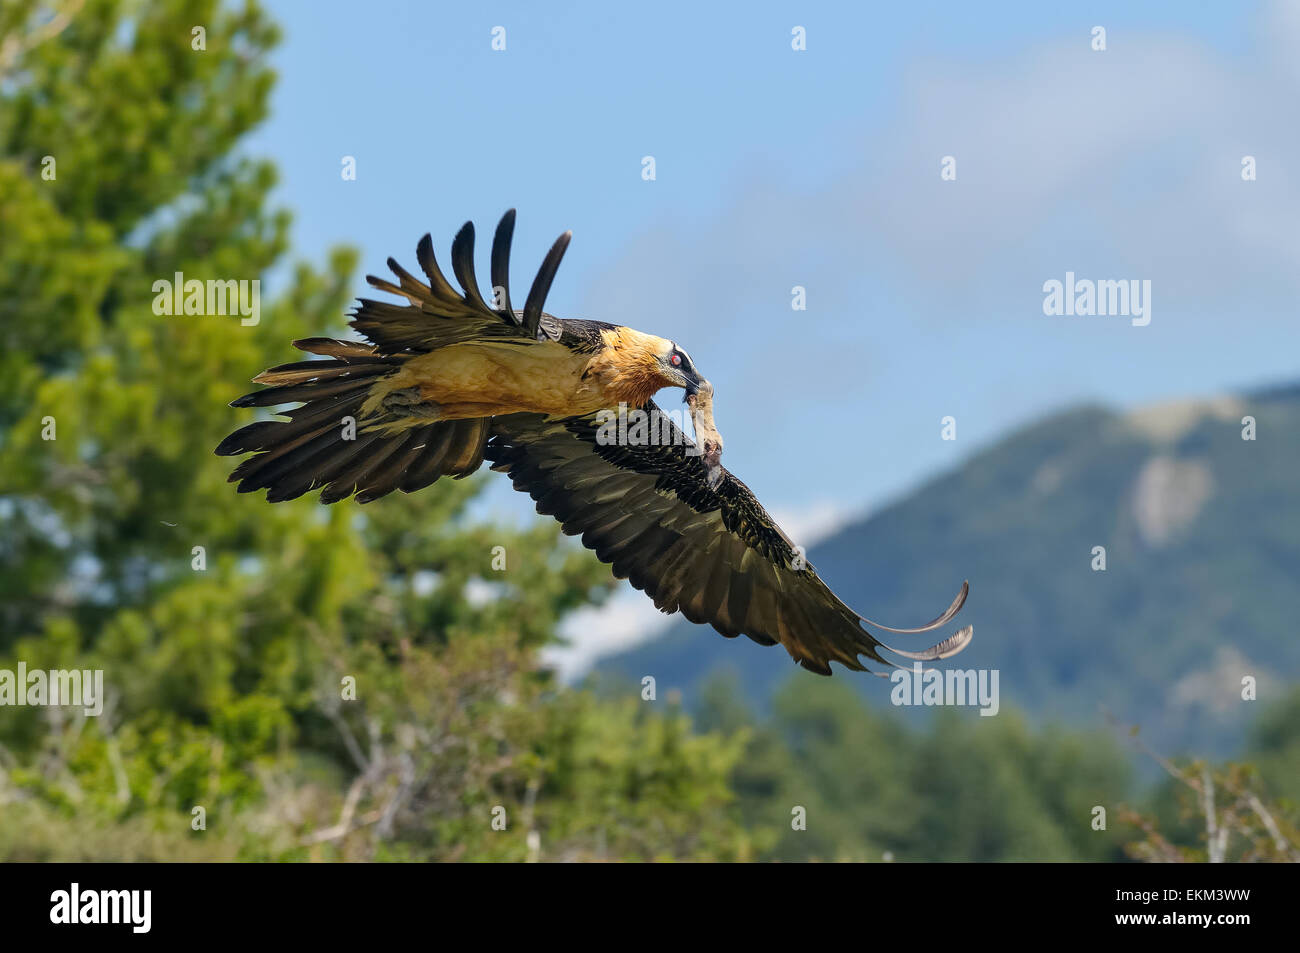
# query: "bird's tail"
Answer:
x=328 y=444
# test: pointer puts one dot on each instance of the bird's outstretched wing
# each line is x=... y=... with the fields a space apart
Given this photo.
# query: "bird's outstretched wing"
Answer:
x=438 y=315
x=714 y=554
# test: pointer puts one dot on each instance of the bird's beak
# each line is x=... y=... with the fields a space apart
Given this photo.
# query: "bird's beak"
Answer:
x=692 y=384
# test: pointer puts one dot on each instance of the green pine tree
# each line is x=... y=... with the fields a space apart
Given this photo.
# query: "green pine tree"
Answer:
x=283 y=681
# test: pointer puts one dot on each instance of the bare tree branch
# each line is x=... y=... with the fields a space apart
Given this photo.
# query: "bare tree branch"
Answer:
x=17 y=44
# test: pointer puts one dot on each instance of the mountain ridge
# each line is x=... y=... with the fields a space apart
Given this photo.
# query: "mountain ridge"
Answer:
x=1201 y=531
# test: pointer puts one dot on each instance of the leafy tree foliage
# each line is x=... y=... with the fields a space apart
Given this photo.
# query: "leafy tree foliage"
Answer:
x=962 y=788
x=322 y=683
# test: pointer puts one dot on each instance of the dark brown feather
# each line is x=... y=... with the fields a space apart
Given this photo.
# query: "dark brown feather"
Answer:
x=501 y=262
x=542 y=285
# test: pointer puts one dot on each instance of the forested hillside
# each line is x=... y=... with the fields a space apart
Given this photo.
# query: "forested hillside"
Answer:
x=1201 y=586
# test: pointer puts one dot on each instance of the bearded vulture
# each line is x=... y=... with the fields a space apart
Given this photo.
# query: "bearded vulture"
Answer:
x=449 y=379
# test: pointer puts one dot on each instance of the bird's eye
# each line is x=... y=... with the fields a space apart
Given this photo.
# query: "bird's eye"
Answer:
x=676 y=359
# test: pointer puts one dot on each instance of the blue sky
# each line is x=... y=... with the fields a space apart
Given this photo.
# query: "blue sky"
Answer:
x=820 y=168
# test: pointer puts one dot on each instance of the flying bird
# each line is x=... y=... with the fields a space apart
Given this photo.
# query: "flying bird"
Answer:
x=450 y=378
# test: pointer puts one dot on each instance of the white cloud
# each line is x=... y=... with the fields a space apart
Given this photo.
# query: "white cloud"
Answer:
x=626 y=620
x=1144 y=140
x=807 y=524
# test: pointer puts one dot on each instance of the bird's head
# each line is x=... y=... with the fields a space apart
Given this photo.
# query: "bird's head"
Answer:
x=637 y=365
x=677 y=368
